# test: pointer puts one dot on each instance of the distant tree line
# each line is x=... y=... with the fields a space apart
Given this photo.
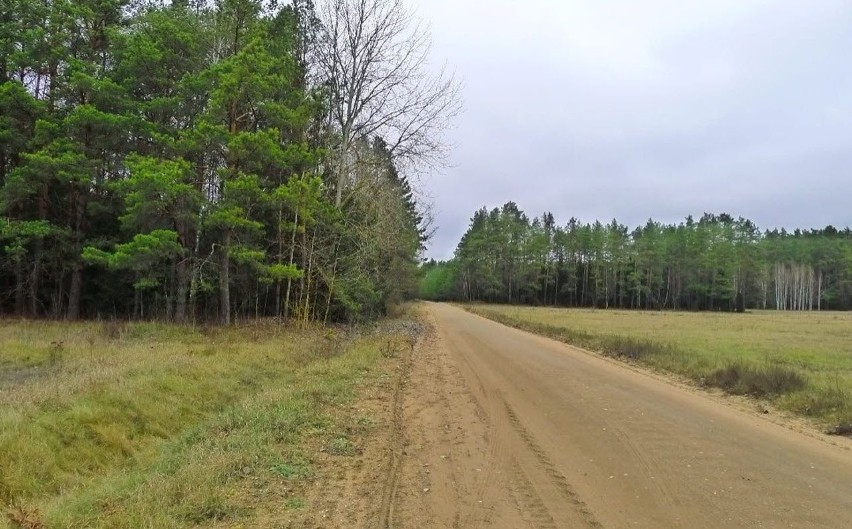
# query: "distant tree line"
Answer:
x=206 y=160
x=713 y=263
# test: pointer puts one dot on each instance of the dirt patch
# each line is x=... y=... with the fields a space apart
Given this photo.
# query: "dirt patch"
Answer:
x=355 y=473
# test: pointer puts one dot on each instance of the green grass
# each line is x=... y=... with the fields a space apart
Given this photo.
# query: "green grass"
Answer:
x=802 y=362
x=163 y=426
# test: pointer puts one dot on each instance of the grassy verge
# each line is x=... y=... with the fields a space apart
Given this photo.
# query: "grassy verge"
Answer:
x=800 y=362
x=164 y=426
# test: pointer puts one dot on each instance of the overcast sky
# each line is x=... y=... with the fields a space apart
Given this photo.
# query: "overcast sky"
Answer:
x=654 y=108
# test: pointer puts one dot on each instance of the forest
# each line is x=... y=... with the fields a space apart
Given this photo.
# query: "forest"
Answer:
x=715 y=263
x=207 y=160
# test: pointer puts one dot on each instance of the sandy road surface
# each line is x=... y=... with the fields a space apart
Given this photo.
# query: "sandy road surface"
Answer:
x=505 y=429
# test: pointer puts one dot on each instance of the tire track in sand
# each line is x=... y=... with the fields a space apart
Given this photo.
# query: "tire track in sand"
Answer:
x=551 y=471
x=527 y=500
x=396 y=443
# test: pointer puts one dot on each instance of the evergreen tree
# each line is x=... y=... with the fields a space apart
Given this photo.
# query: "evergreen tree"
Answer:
x=716 y=263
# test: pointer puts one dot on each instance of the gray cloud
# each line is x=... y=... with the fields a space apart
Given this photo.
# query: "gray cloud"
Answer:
x=661 y=108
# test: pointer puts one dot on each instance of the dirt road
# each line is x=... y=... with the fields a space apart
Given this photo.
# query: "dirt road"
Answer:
x=505 y=429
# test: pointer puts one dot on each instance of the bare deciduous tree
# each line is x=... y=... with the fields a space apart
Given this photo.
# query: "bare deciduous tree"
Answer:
x=374 y=60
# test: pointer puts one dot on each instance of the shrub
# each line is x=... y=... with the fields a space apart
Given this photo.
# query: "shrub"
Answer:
x=742 y=379
x=632 y=348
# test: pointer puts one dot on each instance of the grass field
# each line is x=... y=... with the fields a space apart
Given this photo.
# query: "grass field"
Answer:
x=800 y=361
x=145 y=425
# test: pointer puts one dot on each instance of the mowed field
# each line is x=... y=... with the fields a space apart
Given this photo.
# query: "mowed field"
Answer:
x=147 y=425
x=800 y=361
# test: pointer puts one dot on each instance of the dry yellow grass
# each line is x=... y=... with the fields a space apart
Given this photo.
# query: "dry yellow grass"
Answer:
x=112 y=425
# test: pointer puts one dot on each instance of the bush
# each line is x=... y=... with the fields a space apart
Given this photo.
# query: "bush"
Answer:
x=742 y=379
x=632 y=348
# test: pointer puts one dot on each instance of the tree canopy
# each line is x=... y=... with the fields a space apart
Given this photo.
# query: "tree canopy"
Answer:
x=178 y=160
x=717 y=262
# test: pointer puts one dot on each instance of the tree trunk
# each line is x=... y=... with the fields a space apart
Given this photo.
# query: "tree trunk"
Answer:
x=75 y=291
x=302 y=289
x=331 y=283
x=35 y=276
x=343 y=169
x=292 y=256
x=193 y=273
x=38 y=251
x=309 y=274
x=225 y=281
x=819 y=292
x=280 y=262
x=556 y=288
x=182 y=278
x=20 y=295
